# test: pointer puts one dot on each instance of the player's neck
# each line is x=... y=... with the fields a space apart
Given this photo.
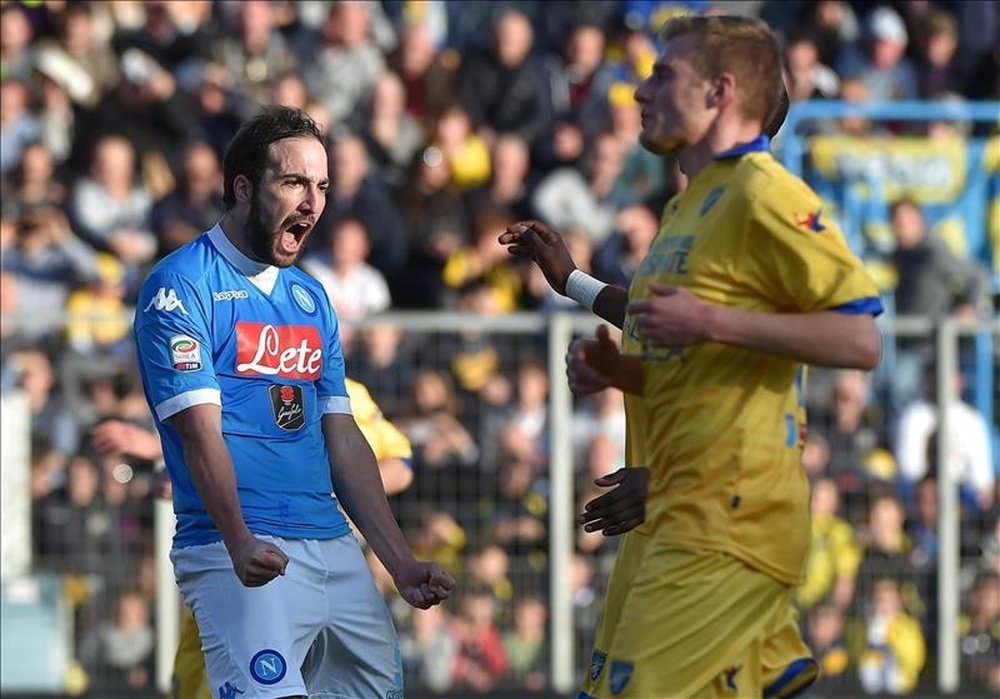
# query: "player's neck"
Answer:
x=721 y=137
x=233 y=226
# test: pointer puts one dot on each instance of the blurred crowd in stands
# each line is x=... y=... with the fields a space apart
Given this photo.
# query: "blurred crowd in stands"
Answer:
x=446 y=122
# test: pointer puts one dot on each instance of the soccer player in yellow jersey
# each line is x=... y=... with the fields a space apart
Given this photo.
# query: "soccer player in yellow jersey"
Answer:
x=746 y=282
x=394 y=454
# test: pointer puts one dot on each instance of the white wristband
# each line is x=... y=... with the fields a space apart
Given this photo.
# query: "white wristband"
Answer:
x=583 y=288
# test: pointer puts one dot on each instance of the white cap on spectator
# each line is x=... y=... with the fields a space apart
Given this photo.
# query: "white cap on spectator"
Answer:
x=886 y=24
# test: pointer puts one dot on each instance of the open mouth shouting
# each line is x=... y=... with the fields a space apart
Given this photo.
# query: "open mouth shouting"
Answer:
x=293 y=237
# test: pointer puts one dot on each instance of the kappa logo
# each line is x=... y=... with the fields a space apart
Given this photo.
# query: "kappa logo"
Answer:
x=165 y=300
x=229 y=691
x=268 y=667
x=230 y=295
x=597 y=661
x=621 y=673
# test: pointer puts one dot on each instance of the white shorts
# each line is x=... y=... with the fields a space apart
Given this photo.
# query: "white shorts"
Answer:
x=259 y=641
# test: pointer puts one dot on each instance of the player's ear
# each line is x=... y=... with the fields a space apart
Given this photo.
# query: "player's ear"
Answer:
x=242 y=188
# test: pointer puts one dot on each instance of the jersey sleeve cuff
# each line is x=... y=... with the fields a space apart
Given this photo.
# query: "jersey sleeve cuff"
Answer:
x=198 y=396
x=336 y=404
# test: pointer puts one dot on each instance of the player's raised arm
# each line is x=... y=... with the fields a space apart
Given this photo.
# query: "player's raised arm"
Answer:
x=545 y=247
x=359 y=489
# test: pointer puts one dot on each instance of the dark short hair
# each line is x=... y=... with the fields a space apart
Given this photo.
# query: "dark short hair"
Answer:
x=247 y=152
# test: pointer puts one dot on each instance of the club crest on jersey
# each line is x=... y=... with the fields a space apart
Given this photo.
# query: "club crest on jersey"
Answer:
x=288 y=351
x=811 y=221
x=303 y=298
x=621 y=673
x=597 y=661
x=289 y=410
x=185 y=353
x=268 y=667
x=710 y=200
x=165 y=300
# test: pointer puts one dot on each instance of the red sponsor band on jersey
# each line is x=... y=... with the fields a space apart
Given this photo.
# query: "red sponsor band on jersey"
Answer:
x=290 y=351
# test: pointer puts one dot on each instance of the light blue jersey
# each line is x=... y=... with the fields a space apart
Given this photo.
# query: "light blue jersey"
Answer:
x=213 y=326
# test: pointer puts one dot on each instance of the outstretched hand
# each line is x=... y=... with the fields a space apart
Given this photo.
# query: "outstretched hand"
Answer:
x=423 y=584
x=673 y=317
x=258 y=562
x=621 y=509
x=542 y=245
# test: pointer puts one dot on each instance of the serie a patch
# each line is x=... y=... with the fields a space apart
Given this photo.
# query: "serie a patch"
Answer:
x=185 y=353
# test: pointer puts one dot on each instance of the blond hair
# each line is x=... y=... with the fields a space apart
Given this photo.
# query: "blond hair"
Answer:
x=742 y=46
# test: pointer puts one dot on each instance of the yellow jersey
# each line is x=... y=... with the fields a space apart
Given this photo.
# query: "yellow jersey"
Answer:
x=719 y=426
x=386 y=440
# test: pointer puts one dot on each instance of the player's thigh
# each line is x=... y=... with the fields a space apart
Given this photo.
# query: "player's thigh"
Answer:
x=190 y=679
x=688 y=619
x=627 y=560
x=357 y=652
x=254 y=638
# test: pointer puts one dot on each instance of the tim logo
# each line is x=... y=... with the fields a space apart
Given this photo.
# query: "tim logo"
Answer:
x=289 y=351
x=229 y=691
x=268 y=667
x=621 y=673
x=811 y=221
x=729 y=676
x=165 y=300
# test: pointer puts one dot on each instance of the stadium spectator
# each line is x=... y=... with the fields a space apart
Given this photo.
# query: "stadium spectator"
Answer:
x=481 y=662
x=429 y=649
x=34 y=184
x=257 y=53
x=643 y=176
x=588 y=200
x=385 y=361
x=392 y=135
x=438 y=438
x=506 y=193
x=894 y=649
x=499 y=88
x=857 y=455
x=576 y=85
x=887 y=552
x=808 y=78
x=519 y=510
x=980 y=633
x=618 y=257
x=345 y=67
x=119 y=653
x=17 y=52
x=489 y=567
x=834 y=554
x=825 y=635
x=465 y=152
x=356 y=192
x=882 y=64
x=970 y=460
x=109 y=209
x=96 y=315
x=355 y=288
x=428 y=74
x=82 y=39
x=194 y=205
x=526 y=645
x=933 y=282
x=32 y=371
x=939 y=72
x=18 y=126
x=484 y=262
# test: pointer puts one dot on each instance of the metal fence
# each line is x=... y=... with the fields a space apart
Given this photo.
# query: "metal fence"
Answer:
x=497 y=507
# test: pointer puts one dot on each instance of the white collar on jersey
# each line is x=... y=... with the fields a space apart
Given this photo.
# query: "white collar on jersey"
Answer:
x=261 y=275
